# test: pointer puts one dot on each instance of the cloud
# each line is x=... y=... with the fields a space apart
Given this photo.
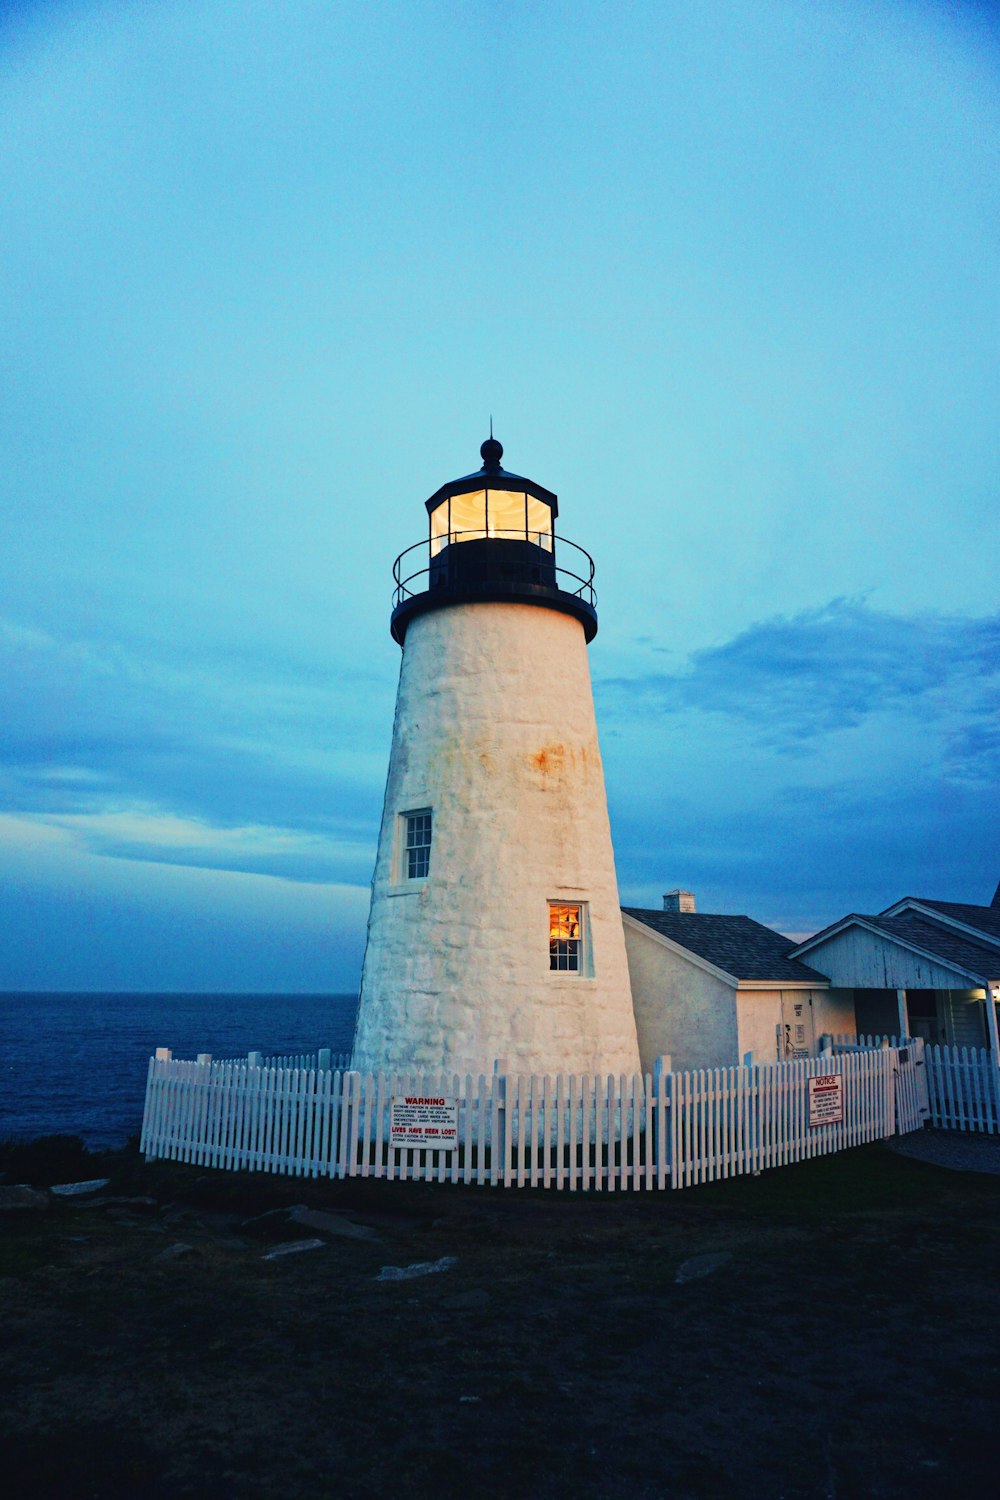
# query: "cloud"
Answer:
x=71 y=920
x=799 y=857
x=810 y=764
x=829 y=761
x=792 y=681
x=157 y=837
x=239 y=762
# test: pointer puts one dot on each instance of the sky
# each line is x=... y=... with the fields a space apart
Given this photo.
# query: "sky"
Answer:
x=726 y=278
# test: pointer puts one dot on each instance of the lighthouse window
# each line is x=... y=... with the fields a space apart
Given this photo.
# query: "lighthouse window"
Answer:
x=566 y=938
x=538 y=519
x=439 y=528
x=417 y=853
x=468 y=517
x=506 y=515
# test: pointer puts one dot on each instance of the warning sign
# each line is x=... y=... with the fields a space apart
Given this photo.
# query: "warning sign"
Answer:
x=826 y=1099
x=424 y=1120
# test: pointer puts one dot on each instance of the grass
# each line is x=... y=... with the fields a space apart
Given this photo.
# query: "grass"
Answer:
x=853 y=1284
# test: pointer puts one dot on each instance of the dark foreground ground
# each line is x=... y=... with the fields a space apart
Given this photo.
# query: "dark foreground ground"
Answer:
x=849 y=1344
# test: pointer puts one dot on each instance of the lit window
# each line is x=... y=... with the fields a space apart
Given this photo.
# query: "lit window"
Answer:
x=511 y=515
x=417 y=852
x=566 y=938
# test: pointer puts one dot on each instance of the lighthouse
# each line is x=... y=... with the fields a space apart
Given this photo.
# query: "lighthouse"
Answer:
x=495 y=933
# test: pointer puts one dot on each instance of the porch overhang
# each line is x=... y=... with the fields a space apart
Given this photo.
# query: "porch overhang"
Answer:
x=900 y=963
x=857 y=953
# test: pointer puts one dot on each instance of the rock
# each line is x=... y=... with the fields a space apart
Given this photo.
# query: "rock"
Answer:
x=173 y=1252
x=292 y=1248
x=78 y=1189
x=467 y=1301
x=333 y=1224
x=701 y=1265
x=418 y=1268
x=276 y=1224
x=137 y=1205
x=269 y=1226
x=22 y=1196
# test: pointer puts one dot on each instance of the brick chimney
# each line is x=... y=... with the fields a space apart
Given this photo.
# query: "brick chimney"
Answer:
x=679 y=901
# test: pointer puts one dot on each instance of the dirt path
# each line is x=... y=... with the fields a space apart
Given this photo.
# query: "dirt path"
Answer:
x=829 y=1330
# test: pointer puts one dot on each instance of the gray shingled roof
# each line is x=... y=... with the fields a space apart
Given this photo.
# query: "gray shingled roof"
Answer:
x=986 y=918
x=933 y=937
x=739 y=946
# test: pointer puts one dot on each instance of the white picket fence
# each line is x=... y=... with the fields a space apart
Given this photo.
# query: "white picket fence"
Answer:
x=324 y=1060
x=962 y=1083
x=574 y=1133
x=964 y=1087
x=909 y=1066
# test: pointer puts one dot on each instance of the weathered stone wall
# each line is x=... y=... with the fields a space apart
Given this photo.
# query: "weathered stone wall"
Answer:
x=495 y=733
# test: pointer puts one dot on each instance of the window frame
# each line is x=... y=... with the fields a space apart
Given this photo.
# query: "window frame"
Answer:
x=401 y=876
x=584 y=966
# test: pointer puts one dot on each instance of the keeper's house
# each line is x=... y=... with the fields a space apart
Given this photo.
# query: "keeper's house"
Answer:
x=707 y=989
x=922 y=968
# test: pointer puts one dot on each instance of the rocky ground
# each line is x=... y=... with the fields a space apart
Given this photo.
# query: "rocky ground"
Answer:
x=827 y=1330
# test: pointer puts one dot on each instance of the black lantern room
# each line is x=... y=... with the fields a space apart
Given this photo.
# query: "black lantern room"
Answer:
x=492 y=538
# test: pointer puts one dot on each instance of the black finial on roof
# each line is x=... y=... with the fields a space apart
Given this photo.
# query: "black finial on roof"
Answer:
x=492 y=452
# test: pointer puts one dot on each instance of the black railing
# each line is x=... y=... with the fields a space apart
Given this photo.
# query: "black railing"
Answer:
x=508 y=561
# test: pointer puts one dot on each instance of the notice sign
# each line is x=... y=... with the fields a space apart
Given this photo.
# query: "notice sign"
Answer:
x=424 y=1120
x=826 y=1099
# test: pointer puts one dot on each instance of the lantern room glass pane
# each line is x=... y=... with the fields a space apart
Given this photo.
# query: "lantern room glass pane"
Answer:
x=439 y=528
x=468 y=516
x=510 y=515
x=505 y=514
x=539 y=523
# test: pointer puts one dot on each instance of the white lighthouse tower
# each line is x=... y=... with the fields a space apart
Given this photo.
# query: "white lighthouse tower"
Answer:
x=495 y=931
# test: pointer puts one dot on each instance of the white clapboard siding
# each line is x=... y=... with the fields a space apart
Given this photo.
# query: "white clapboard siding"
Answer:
x=591 y=1133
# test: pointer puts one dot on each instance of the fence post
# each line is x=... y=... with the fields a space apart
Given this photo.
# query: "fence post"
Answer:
x=323 y=1060
x=253 y=1060
x=163 y=1054
x=752 y=1131
x=891 y=1056
x=500 y=1147
x=920 y=1074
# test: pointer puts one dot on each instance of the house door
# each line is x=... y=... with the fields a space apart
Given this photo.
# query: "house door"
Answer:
x=797 y=1035
x=923 y=1016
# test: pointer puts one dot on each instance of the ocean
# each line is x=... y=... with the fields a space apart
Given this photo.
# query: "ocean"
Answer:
x=75 y=1064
